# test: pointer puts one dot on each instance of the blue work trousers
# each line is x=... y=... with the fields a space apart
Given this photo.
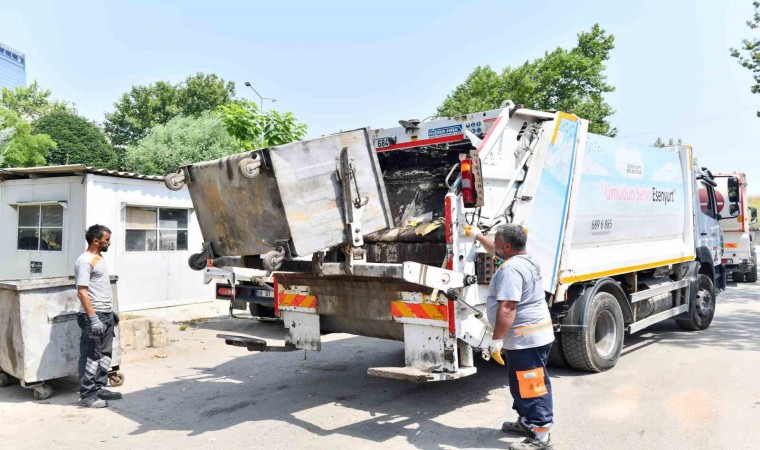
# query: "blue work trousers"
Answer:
x=531 y=387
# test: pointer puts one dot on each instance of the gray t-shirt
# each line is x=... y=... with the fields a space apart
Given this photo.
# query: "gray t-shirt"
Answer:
x=91 y=270
x=519 y=279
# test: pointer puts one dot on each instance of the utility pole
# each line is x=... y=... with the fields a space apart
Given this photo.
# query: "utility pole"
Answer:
x=261 y=111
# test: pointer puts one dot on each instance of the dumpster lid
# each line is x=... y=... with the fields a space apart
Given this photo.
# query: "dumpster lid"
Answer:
x=28 y=284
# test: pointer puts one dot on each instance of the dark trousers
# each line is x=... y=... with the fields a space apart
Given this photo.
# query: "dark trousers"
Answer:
x=94 y=354
x=531 y=388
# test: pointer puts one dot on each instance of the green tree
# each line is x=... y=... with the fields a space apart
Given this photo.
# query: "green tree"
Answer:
x=144 y=107
x=660 y=143
x=19 y=146
x=30 y=102
x=183 y=140
x=78 y=141
x=252 y=129
x=568 y=80
x=749 y=54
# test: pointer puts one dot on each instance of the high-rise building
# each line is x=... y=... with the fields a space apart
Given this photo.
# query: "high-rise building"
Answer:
x=12 y=67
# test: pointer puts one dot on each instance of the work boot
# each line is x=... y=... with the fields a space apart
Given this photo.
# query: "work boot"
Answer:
x=516 y=428
x=105 y=394
x=93 y=402
x=532 y=444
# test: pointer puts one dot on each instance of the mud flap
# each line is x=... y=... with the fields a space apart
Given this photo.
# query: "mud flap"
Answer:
x=425 y=346
x=302 y=330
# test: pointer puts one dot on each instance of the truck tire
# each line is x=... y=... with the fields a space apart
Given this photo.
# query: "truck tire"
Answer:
x=752 y=274
x=702 y=310
x=598 y=347
x=261 y=311
x=557 y=355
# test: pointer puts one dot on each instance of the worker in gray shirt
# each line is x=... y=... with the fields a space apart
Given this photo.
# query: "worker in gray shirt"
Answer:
x=517 y=310
x=96 y=319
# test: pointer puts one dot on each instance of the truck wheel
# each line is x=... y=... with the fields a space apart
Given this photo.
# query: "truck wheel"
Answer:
x=598 y=348
x=557 y=355
x=5 y=379
x=751 y=276
x=261 y=311
x=702 y=310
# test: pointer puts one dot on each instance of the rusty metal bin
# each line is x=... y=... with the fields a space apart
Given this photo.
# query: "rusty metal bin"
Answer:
x=289 y=196
x=39 y=335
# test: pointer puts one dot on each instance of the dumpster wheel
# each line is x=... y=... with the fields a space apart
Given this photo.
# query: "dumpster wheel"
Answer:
x=43 y=392
x=174 y=181
x=116 y=379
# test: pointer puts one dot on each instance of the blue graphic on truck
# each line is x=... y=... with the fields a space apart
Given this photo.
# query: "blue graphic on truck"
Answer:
x=445 y=131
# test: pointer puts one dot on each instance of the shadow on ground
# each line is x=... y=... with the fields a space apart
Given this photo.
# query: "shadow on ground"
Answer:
x=306 y=392
x=734 y=326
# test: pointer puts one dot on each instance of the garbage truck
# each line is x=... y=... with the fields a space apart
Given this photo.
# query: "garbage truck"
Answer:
x=736 y=218
x=364 y=232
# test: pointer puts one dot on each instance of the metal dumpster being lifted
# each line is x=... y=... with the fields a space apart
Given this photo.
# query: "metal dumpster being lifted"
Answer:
x=288 y=199
x=39 y=335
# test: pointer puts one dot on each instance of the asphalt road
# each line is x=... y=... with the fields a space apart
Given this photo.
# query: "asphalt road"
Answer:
x=672 y=389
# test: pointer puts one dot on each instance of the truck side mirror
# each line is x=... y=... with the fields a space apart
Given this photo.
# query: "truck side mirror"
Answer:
x=734 y=210
x=733 y=189
x=752 y=215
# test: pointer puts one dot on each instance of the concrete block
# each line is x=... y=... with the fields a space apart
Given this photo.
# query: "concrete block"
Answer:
x=139 y=333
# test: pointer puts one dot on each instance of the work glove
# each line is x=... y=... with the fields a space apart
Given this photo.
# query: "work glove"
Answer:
x=472 y=230
x=494 y=349
x=98 y=327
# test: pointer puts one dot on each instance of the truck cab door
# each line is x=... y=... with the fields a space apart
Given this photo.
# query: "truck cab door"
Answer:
x=708 y=226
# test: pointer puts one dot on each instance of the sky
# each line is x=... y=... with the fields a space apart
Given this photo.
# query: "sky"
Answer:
x=339 y=65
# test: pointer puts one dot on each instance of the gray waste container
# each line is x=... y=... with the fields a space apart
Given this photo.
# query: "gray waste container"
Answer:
x=293 y=198
x=39 y=335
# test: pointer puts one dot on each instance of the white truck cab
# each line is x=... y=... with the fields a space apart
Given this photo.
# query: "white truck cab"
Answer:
x=736 y=217
x=709 y=235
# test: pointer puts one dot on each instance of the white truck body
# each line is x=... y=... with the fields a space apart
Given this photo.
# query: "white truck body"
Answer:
x=604 y=217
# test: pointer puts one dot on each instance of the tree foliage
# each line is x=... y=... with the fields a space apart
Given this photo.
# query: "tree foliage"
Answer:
x=183 y=140
x=661 y=143
x=253 y=129
x=19 y=146
x=568 y=80
x=30 y=102
x=144 y=107
x=78 y=141
x=749 y=54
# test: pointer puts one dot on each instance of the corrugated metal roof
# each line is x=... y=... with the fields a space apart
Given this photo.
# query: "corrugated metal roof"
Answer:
x=74 y=169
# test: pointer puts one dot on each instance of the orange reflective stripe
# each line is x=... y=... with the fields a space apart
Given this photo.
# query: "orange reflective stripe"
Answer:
x=540 y=430
x=535 y=328
x=531 y=382
x=298 y=301
x=419 y=310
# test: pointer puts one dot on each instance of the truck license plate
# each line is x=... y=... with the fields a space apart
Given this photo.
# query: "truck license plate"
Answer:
x=263 y=293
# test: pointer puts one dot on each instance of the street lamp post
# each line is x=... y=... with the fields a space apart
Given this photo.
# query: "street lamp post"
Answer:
x=261 y=102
